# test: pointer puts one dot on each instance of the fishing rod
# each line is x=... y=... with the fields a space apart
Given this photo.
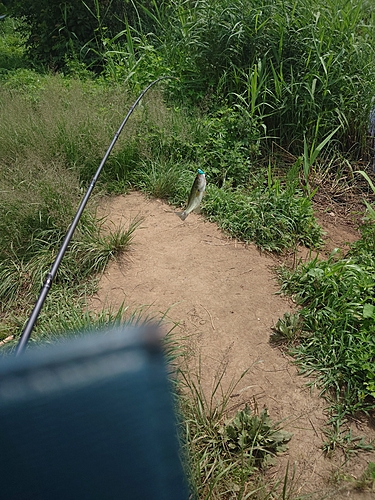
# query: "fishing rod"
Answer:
x=52 y=273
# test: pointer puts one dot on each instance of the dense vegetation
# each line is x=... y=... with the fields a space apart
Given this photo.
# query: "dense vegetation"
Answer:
x=269 y=97
x=288 y=69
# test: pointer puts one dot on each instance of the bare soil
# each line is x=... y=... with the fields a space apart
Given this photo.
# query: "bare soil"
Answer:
x=224 y=297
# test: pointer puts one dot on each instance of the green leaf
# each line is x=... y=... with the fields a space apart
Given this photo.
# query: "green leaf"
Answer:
x=368 y=311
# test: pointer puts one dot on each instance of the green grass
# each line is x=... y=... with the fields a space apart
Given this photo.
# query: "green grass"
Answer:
x=23 y=274
x=337 y=299
x=61 y=120
x=52 y=136
x=333 y=342
x=11 y=47
x=272 y=217
x=225 y=449
x=255 y=78
x=288 y=64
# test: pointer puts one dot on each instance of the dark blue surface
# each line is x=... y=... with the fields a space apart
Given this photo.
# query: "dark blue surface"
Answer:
x=89 y=419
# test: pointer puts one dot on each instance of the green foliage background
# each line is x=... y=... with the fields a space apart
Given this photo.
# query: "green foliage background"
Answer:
x=251 y=74
x=270 y=97
x=299 y=68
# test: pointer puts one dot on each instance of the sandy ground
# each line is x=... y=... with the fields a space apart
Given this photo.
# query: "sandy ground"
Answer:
x=223 y=295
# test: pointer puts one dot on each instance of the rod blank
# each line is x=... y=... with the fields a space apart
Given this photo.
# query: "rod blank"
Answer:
x=52 y=273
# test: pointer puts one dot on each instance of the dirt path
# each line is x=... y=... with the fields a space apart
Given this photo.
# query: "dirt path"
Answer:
x=223 y=295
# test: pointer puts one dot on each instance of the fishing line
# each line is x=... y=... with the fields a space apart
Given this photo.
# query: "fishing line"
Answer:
x=52 y=273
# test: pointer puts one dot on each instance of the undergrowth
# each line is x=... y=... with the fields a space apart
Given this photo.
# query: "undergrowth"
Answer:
x=254 y=77
x=225 y=450
x=41 y=187
x=273 y=218
x=332 y=335
x=338 y=312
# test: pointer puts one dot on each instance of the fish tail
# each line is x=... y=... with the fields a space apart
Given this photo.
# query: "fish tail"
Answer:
x=182 y=215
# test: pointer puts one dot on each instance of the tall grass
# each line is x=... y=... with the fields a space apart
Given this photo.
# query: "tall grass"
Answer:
x=225 y=449
x=333 y=336
x=293 y=63
x=61 y=120
x=51 y=138
x=290 y=63
x=11 y=49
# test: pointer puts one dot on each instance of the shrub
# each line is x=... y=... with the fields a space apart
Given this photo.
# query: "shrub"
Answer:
x=56 y=29
x=272 y=218
x=337 y=340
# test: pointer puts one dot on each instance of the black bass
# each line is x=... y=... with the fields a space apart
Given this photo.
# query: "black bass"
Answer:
x=196 y=194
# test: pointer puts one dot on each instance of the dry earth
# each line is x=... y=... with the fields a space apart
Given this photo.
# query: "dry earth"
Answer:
x=223 y=295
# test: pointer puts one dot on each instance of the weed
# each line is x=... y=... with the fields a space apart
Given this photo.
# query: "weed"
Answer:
x=367 y=480
x=370 y=209
x=223 y=451
x=87 y=255
x=287 y=329
x=343 y=439
x=40 y=195
x=271 y=217
x=11 y=50
x=284 y=58
x=254 y=436
x=231 y=143
x=336 y=344
x=309 y=158
x=160 y=180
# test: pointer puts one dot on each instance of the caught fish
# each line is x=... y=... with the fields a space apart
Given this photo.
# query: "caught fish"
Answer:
x=196 y=194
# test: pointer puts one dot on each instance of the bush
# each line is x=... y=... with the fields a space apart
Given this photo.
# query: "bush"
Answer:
x=273 y=218
x=56 y=30
x=295 y=65
x=337 y=334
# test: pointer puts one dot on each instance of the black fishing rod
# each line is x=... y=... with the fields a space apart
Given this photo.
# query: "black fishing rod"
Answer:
x=52 y=273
